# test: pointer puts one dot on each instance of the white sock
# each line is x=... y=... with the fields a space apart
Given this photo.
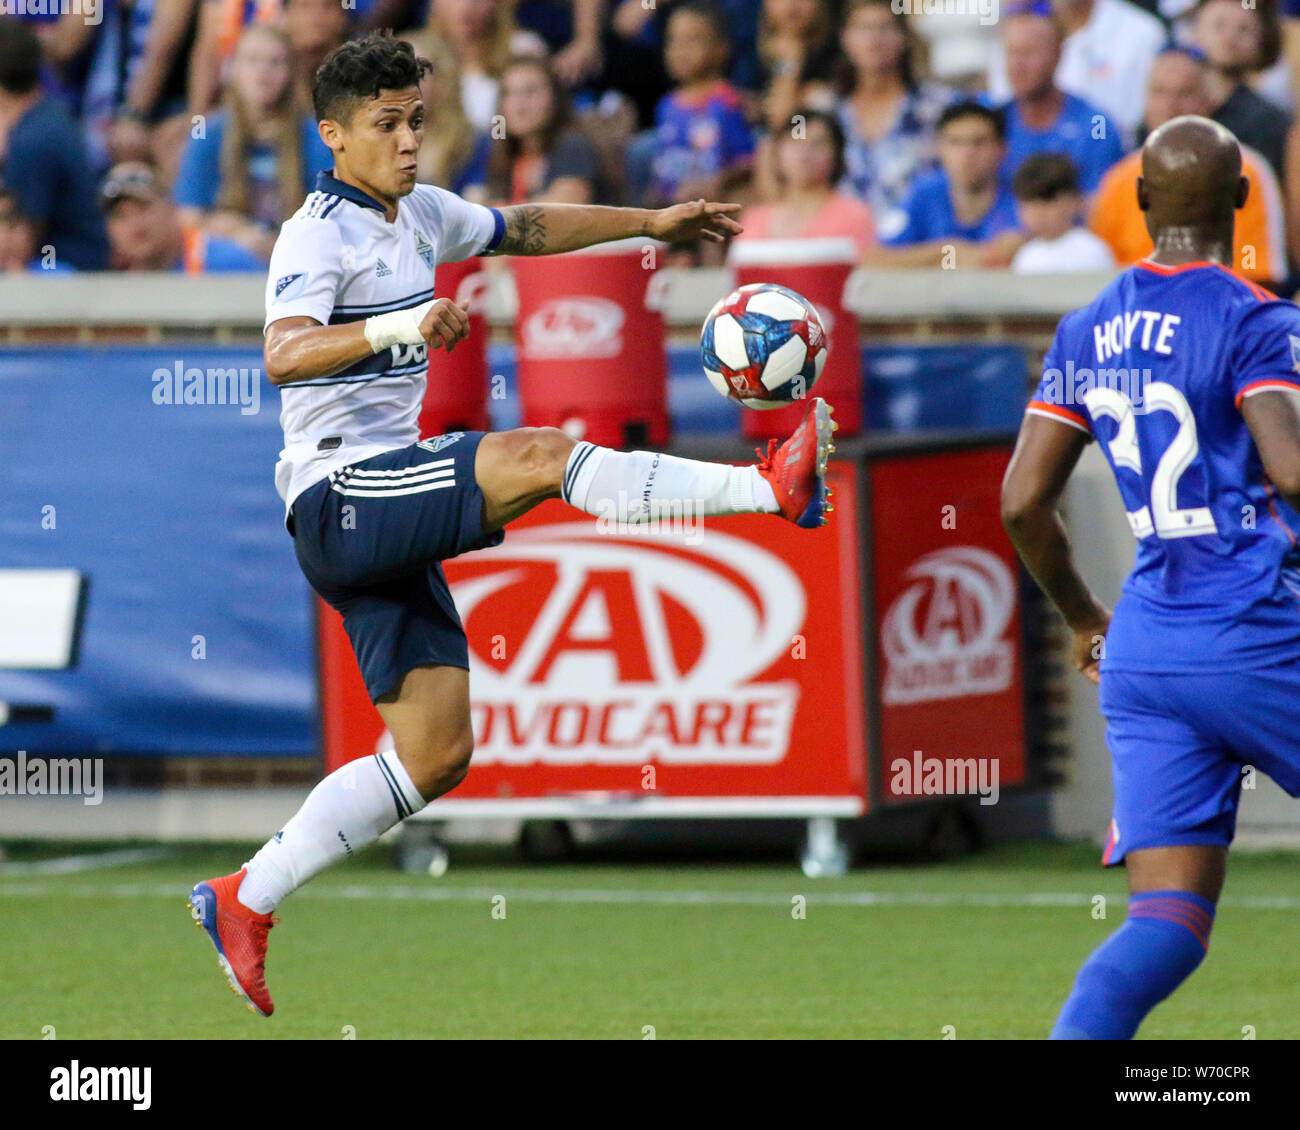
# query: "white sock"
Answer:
x=352 y=807
x=635 y=487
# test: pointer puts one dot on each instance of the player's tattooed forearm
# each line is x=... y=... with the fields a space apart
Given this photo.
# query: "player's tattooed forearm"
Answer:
x=525 y=231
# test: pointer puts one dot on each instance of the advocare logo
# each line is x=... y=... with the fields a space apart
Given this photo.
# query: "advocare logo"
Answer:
x=567 y=328
x=642 y=647
x=943 y=635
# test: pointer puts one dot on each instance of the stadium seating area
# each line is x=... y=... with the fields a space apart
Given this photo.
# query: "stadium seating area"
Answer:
x=178 y=134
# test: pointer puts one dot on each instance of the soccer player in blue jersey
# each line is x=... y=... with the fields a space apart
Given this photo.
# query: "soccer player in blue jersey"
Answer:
x=1187 y=375
x=374 y=509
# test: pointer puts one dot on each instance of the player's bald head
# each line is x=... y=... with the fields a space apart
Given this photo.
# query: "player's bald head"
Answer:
x=1191 y=174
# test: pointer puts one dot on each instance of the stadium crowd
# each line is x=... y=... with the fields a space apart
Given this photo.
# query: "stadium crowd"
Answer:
x=178 y=134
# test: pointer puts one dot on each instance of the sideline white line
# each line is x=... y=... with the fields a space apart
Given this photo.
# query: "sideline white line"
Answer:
x=96 y=861
x=355 y=892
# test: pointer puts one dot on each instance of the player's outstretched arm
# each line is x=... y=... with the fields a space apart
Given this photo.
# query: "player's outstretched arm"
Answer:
x=1045 y=454
x=547 y=229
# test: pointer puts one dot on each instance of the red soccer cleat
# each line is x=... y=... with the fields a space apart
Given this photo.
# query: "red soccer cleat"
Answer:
x=797 y=469
x=239 y=935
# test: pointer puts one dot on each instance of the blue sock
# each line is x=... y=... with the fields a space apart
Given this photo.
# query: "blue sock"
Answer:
x=1161 y=942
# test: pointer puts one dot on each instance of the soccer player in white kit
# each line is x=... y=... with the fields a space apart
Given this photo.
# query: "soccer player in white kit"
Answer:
x=374 y=509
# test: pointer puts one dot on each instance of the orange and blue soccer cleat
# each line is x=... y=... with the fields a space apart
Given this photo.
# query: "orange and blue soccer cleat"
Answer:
x=797 y=469
x=239 y=935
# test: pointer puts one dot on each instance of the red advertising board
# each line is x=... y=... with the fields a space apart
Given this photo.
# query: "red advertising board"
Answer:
x=948 y=620
x=717 y=659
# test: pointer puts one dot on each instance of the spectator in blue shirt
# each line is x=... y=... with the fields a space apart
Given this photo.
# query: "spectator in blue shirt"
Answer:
x=962 y=214
x=43 y=158
x=703 y=145
x=146 y=233
x=1041 y=117
x=259 y=156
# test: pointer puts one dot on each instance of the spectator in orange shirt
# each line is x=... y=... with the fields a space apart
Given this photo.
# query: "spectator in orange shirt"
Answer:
x=1177 y=85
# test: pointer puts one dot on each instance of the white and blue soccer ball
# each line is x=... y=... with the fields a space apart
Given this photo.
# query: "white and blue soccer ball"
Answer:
x=764 y=346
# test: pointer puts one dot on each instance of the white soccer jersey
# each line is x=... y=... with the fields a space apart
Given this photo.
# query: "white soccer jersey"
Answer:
x=337 y=259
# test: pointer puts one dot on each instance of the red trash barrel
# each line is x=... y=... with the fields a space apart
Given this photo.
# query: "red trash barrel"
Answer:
x=456 y=397
x=818 y=269
x=589 y=350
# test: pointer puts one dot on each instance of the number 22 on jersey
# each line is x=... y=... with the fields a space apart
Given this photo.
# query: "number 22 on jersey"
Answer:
x=1162 y=517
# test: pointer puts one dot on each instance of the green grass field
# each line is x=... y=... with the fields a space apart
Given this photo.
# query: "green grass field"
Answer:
x=988 y=945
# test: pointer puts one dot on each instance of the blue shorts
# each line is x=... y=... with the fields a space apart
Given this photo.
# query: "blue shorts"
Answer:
x=370 y=538
x=1180 y=745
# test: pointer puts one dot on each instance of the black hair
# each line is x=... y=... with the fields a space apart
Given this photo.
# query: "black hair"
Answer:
x=836 y=131
x=20 y=57
x=1045 y=176
x=359 y=70
x=711 y=14
x=972 y=109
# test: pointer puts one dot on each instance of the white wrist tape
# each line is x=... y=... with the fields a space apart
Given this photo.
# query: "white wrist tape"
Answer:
x=401 y=327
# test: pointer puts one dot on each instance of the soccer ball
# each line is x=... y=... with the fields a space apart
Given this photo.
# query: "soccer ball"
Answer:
x=763 y=345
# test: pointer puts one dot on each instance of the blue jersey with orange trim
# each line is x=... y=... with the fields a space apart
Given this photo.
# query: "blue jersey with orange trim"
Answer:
x=1156 y=368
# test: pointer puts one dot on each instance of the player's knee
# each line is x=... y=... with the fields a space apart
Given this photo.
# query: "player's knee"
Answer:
x=540 y=456
x=440 y=764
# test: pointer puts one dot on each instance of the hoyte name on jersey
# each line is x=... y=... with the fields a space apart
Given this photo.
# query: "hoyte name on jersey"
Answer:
x=1153 y=330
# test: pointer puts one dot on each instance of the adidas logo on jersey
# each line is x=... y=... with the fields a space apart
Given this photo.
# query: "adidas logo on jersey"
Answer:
x=382 y=269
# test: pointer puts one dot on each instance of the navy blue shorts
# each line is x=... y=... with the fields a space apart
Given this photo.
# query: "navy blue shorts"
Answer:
x=1180 y=747
x=370 y=538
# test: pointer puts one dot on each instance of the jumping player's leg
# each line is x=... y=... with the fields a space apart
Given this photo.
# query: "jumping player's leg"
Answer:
x=1172 y=896
x=518 y=469
x=369 y=539
x=427 y=716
